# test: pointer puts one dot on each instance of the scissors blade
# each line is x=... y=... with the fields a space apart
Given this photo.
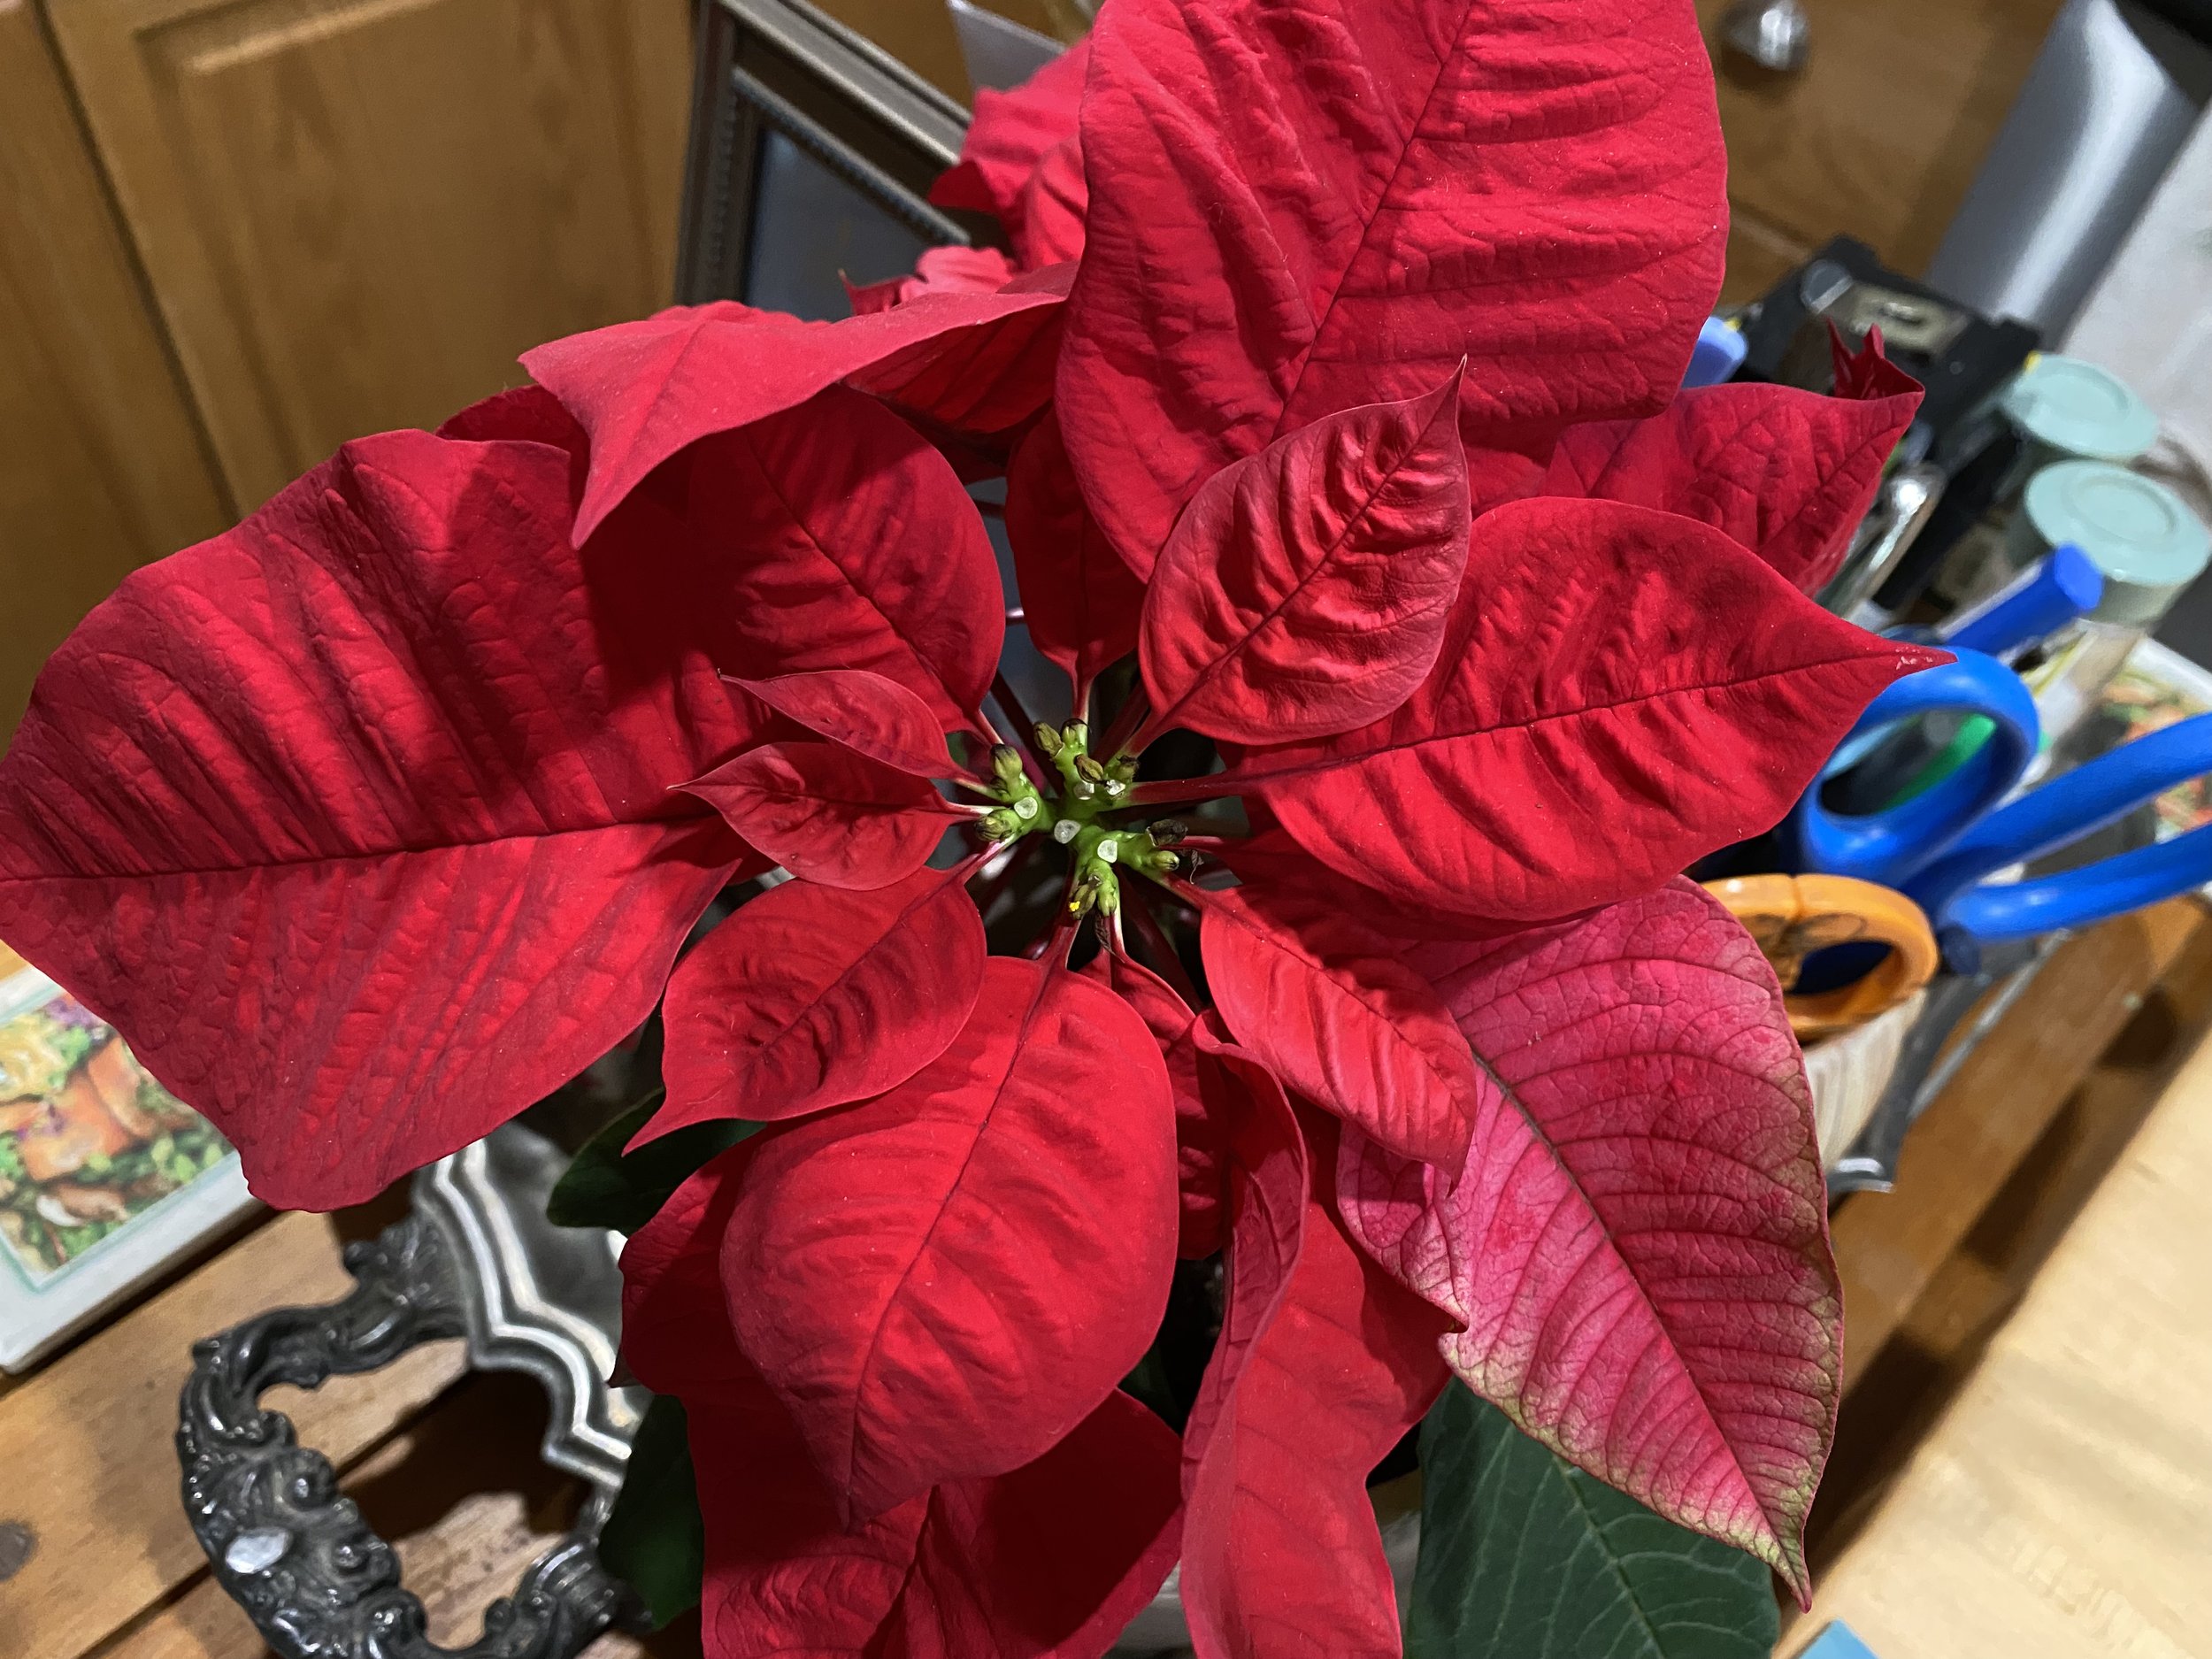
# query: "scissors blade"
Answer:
x=1923 y=1071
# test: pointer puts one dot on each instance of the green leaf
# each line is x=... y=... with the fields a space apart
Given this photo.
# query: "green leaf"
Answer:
x=654 y=1538
x=603 y=1187
x=1524 y=1556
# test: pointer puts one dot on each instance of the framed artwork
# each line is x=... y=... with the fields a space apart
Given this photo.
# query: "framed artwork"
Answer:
x=2157 y=687
x=812 y=152
x=104 y=1176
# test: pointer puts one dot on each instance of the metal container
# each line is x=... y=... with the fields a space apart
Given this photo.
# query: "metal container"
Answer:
x=2144 y=540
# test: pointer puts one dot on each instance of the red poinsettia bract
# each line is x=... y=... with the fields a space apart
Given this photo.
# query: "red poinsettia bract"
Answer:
x=1342 y=436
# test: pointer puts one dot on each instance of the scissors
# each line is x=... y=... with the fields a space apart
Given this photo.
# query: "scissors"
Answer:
x=1790 y=917
x=1888 y=846
x=1940 y=847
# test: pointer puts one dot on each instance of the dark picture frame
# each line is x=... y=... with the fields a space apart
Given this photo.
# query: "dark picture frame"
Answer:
x=781 y=89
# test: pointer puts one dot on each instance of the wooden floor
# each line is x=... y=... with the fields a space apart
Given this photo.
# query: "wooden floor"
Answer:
x=444 y=1462
x=2061 y=1507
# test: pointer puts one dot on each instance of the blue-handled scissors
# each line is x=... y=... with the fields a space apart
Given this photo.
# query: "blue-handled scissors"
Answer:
x=1970 y=914
x=1937 y=847
x=1940 y=846
x=1889 y=846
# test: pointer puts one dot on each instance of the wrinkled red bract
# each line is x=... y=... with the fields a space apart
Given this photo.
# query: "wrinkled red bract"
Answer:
x=1305 y=590
x=1079 y=601
x=1324 y=1365
x=861 y=553
x=952 y=269
x=1008 y=144
x=1049 y=1562
x=867 y=713
x=1055 y=206
x=1298 y=206
x=1621 y=691
x=1639 y=1245
x=826 y=813
x=355 y=817
x=974 y=389
x=808 y=998
x=1270 y=862
x=1867 y=372
x=870 y=1276
x=1324 y=1000
x=646 y=390
x=1786 y=474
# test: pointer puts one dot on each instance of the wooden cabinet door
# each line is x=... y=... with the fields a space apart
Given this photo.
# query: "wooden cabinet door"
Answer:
x=1878 y=134
x=101 y=465
x=355 y=213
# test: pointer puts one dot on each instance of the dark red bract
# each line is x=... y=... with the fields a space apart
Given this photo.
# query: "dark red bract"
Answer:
x=1348 y=455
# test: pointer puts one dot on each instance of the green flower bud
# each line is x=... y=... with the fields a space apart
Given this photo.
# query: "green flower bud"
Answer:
x=1049 y=739
x=1001 y=825
x=1006 y=762
x=1077 y=734
x=1086 y=767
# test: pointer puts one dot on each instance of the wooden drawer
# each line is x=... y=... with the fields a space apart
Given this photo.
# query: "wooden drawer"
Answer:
x=355 y=213
x=1878 y=135
x=101 y=465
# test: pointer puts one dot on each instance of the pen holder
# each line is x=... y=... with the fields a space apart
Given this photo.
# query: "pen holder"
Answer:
x=1849 y=1071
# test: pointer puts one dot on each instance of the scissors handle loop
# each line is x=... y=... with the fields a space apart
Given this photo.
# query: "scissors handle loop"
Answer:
x=1888 y=846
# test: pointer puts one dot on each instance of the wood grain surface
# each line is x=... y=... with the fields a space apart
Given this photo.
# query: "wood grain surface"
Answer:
x=1933 y=1350
x=1890 y=1246
x=1883 y=129
x=86 y=1444
x=2063 y=1506
x=101 y=465
x=355 y=213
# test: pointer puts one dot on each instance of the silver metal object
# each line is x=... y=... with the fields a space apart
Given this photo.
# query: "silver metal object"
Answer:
x=543 y=1300
x=1901 y=511
x=789 y=108
x=1775 y=34
x=477 y=1259
x=998 y=51
x=1871 y=1166
x=1909 y=322
x=2110 y=101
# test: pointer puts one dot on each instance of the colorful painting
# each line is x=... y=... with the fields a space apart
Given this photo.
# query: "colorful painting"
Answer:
x=88 y=1140
x=2157 y=688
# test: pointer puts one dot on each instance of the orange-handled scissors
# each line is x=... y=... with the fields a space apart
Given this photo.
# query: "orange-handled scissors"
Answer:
x=1790 y=917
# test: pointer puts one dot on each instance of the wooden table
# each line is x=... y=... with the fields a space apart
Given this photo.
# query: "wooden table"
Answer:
x=445 y=1463
x=442 y=1461
x=2063 y=1506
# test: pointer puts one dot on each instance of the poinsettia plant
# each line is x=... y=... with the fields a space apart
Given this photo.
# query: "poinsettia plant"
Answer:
x=1317 y=986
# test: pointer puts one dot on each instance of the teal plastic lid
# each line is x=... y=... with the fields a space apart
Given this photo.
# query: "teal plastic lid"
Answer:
x=2080 y=409
x=2137 y=532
